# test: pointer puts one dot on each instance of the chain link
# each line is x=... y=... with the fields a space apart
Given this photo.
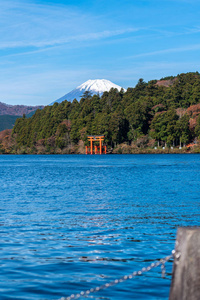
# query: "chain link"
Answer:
x=123 y=278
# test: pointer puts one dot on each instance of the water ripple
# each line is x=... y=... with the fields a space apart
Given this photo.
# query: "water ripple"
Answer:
x=69 y=223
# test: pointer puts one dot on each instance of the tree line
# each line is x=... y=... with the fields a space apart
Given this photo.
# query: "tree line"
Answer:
x=157 y=113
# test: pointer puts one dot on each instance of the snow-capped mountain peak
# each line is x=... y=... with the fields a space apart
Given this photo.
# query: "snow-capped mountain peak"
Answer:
x=97 y=86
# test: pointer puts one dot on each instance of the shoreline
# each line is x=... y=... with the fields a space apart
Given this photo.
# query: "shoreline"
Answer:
x=113 y=153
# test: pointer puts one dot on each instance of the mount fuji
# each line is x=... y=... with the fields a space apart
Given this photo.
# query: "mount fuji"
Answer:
x=97 y=86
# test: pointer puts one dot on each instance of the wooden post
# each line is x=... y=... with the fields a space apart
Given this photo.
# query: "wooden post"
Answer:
x=91 y=146
x=86 y=149
x=100 y=144
x=186 y=268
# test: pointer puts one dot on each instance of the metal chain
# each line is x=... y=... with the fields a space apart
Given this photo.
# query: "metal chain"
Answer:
x=123 y=278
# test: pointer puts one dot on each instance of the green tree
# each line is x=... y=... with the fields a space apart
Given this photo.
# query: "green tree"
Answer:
x=138 y=116
x=164 y=127
x=183 y=129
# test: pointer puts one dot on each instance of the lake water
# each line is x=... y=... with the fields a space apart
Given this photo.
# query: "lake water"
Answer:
x=72 y=222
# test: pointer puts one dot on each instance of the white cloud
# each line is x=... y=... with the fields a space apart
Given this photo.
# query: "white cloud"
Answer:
x=167 y=51
x=31 y=25
x=63 y=40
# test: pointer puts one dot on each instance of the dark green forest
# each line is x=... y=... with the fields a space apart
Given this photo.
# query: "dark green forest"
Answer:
x=162 y=113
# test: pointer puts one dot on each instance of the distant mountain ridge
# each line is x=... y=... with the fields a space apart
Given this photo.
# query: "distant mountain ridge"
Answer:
x=17 y=110
x=97 y=86
x=9 y=114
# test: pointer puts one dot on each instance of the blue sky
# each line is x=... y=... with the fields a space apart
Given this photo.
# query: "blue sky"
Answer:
x=47 y=48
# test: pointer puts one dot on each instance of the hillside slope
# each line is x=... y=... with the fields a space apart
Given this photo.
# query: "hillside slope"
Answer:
x=17 y=110
x=7 y=121
x=9 y=114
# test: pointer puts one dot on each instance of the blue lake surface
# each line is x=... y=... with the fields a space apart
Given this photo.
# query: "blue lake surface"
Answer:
x=72 y=222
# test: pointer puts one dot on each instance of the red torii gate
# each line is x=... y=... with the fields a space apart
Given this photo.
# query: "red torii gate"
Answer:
x=96 y=138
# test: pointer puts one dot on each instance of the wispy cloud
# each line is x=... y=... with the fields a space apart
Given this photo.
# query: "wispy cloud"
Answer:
x=167 y=51
x=64 y=40
x=28 y=25
x=193 y=30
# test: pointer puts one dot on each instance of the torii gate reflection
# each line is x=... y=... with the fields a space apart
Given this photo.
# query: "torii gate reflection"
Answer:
x=96 y=138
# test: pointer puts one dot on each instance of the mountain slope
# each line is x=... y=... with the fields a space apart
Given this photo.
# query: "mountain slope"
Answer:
x=9 y=114
x=7 y=121
x=17 y=110
x=97 y=86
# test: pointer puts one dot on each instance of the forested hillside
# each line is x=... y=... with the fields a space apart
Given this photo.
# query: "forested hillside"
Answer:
x=162 y=113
